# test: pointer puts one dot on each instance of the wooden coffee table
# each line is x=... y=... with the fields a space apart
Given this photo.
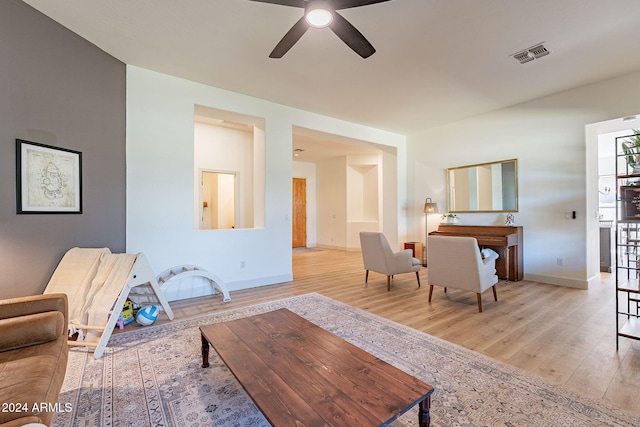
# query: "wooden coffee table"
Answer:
x=298 y=374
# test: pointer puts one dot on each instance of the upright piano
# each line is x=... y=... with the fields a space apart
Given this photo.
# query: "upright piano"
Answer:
x=505 y=240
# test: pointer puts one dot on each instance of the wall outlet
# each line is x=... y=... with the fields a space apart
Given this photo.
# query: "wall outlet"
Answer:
x=560 y=261
x=241 y=264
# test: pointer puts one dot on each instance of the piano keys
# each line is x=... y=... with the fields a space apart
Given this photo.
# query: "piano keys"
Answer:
x=505 y=240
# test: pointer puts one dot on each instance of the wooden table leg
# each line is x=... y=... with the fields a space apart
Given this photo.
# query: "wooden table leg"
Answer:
x=424 y=417
x=205 y=351
x=507 y=261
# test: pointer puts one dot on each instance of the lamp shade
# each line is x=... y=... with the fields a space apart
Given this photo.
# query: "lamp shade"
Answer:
x=430 y=207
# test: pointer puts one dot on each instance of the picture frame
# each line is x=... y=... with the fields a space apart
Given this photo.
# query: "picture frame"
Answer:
x=48 y=179
x=630 y=201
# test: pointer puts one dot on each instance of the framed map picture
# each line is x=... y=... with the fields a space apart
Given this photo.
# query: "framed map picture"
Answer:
x=48 y=179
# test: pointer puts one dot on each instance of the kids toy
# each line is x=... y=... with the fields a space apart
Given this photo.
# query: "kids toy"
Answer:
x=147 y=315
x=126 y=316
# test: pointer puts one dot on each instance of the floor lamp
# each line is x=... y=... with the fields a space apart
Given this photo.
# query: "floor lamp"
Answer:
x=429 y=208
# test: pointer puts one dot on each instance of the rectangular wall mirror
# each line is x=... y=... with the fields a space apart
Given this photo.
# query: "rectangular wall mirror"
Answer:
x=486 y=187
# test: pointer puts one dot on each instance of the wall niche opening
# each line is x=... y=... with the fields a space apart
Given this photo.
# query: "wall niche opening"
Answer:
x=229 y=170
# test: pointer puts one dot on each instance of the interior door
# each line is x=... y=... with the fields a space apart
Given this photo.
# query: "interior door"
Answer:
x=299 y=215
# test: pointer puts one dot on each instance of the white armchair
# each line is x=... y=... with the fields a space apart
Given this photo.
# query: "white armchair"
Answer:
x=455 y=262
x=378 y=256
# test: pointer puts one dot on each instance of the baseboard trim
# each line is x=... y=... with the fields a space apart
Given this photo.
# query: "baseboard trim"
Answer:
x=197 y=286
x=260 y=281
x=556 y=280
x=339 y=248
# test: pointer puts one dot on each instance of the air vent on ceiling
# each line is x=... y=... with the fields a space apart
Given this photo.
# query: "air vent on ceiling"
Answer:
x=524 y=57
x=539 y=51
x=528 y=55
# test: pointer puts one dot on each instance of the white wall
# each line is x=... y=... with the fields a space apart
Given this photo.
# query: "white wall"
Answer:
x=364 y=197
x=332 y=203
x=392 y=218
x=351 y=195
x=160 y=184
x=548 y=138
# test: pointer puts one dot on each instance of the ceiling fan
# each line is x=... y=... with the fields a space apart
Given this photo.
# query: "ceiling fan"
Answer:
x=320 y=14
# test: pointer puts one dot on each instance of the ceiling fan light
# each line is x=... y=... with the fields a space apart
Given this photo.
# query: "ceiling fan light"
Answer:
x=318 y=14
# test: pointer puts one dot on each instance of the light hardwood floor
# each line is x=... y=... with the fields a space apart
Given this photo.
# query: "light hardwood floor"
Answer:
x=564 y=335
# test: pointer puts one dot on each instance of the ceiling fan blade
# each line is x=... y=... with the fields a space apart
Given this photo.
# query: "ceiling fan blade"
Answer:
x=346 y=4
x=292 y=3
x=351 y=36
x=289 y=39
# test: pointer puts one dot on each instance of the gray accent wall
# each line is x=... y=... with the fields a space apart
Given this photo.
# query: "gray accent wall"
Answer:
x=58 y=89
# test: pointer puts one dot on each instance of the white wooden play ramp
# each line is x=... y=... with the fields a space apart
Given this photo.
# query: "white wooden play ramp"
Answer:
x=184 y=271
x=97 y=283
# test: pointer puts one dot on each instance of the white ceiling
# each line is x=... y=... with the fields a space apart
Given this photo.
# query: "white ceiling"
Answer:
x=318 y=146
x=437 y=61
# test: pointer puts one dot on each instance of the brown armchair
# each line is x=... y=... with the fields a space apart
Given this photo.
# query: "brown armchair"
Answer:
x=33 y=357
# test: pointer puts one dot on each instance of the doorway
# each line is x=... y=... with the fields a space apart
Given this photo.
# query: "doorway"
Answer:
x=601 y=188
x=219 y=200
x=299 y=214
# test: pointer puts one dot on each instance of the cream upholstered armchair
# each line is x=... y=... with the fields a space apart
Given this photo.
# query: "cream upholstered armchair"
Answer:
x=455 y=262
x=378 y=256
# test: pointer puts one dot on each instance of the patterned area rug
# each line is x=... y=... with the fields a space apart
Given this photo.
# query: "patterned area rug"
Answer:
x=152 y=377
